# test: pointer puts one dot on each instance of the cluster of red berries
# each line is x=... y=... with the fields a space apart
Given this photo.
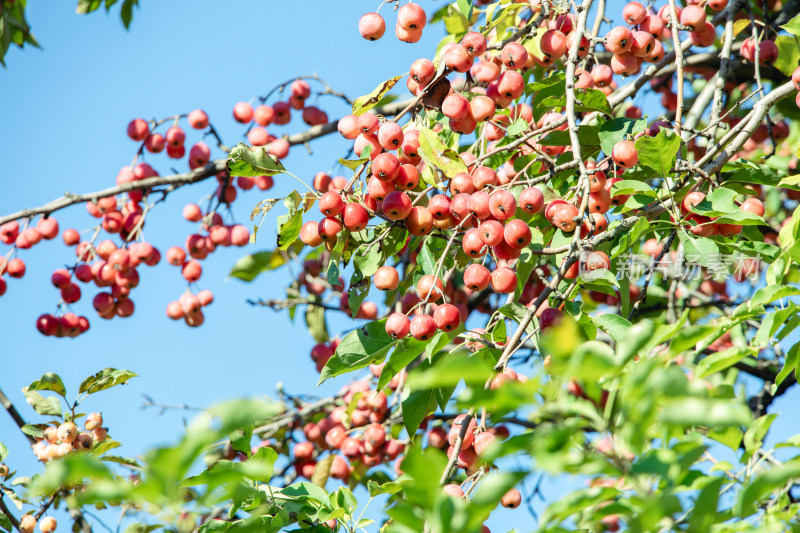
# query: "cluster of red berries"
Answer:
x=279 y=113
x=359 y=437
x=46 y=228
x=173 y=140
x=115 y=267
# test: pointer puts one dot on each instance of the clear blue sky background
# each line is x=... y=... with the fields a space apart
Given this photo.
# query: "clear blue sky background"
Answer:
x=63 y=113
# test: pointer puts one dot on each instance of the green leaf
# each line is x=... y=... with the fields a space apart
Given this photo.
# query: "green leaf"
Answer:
x=51 y=382
x=587 y=136
x=465 y=6
x=455 y=23
x=770 y=293
x=105 y=379
x=87 y=6
x=632 y=187
x=44 y=406
x=121 y=460
x=658 y=153
x=449 y=370
x=307 y=491
x=614 y=325
x=322 y=470
x=434 y=152
x=704 y=511
x=689 y=336
x=34 y=430
x=438 y=342
x=701 y=412
x=427 y=258
x=789 y=364
x=788 y=54
x=517 y=127
x=248 y=267
x=517 y=312
x=289 y=225
x=417 y=404
x=754 y=436
x=315 y=321
x=240 y=413
x=353 y=164
x=719 y=361
x=634 y=339
x=70 y=469
x=613 y=131
x=720 y=204
x=386 y=488
x=362 y=104
x=357 y=292
x=406 y=351
x=423 y=466
x=700 y=250
x=763 y=484
x=590 y=100
x=360 y=348
x=126 y=12
x=252 y=161
x=142 y=528
x=790 y=182
x=748 y=172
x=3 y=452
x=793 y=26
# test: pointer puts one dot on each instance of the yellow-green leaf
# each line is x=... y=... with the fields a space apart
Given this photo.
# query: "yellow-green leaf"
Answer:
x=362 y=104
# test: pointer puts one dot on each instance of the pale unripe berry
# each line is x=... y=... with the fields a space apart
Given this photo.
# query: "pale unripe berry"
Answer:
x=67 y=432
x=93 y=421
x=48 y=524
x=27 y=524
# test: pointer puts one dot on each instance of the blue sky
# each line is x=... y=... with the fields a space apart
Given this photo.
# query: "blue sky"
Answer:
x=64 y=111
